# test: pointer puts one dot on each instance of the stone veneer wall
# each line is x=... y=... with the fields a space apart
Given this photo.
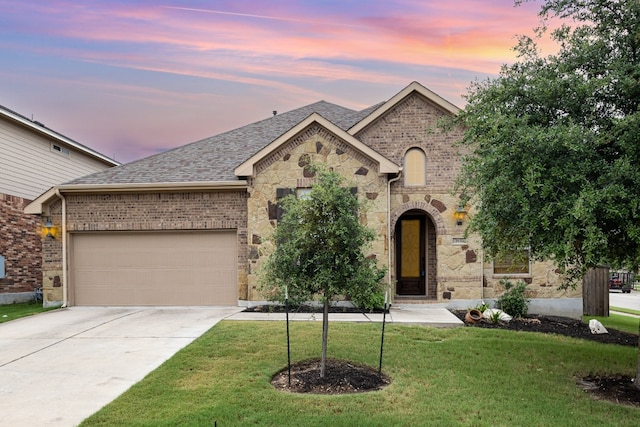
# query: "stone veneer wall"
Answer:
x=461 y=272
x=543 y=282
x=20 y=245
x=154 y=211
x=285 y=168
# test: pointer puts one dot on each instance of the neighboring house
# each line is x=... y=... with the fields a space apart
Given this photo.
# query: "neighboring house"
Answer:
x=188 y=226
x=33 y=158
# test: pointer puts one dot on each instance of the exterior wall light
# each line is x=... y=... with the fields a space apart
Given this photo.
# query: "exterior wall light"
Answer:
x=460 y=214
x=50 y=229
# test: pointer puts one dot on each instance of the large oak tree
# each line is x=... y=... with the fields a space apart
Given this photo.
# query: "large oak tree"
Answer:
x=555 y=142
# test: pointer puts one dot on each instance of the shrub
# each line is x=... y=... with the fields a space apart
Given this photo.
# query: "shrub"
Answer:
x=513 y=301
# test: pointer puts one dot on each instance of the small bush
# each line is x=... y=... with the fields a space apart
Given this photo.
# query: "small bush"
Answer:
x=513 y=301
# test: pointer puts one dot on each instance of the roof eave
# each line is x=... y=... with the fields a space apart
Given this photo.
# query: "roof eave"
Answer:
x=247 y=168
x=58 y=137
x=36 y=206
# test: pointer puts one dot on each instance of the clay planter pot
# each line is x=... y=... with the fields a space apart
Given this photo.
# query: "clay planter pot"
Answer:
x=473 y=316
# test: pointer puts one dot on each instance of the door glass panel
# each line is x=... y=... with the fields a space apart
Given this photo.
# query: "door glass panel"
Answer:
x=410 y=248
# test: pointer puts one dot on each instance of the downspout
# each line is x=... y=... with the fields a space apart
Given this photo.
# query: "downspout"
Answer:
x=481 y=275
x=65 y=291
x=389 y=224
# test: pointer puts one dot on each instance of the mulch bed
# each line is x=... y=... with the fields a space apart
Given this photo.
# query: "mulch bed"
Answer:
x=341 y=377
x=557 y=325
x=615 y=388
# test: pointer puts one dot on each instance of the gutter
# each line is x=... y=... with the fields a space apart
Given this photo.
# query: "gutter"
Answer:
x=389 y=224
x=155 y=186
x=65 y=287
x=35 y=207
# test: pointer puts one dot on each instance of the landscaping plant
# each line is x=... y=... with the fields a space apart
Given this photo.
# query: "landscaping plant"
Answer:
x=513 y=300
x=319 y=251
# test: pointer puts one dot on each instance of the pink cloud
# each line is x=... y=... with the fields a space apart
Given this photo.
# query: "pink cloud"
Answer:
x=284 y=53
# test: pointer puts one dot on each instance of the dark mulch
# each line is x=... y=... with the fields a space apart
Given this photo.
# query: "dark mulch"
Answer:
x=341 y=377
x=557 y=325
x=614 y=388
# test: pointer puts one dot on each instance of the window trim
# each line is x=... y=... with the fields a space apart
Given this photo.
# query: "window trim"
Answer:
x=407 y=173
x=515 y=275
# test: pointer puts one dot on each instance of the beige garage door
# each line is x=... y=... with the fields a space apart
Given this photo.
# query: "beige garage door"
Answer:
x=153 y=268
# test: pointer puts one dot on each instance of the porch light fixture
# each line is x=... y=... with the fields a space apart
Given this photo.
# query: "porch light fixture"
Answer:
x=50 y=229
x=460 y=214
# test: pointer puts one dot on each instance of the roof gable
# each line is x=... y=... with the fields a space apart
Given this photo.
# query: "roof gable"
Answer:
x=247 y=168
x=399 y=97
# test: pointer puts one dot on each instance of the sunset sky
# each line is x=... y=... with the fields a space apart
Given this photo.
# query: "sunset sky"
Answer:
x=133 y=78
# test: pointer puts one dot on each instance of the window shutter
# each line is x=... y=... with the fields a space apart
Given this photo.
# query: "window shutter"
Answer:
x=281 y=193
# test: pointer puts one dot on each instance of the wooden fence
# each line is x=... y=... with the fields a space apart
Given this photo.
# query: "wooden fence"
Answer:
x=595 y=292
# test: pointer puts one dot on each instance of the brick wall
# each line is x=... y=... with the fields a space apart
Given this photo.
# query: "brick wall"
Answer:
x=414 y=123
x=21 y=246
x=214 y=210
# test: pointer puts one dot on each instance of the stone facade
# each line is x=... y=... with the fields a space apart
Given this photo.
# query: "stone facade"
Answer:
x=285 y=169
x=20 y=245
x=456 y=269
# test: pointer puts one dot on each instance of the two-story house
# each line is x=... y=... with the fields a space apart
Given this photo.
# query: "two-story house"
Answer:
x=33 y=158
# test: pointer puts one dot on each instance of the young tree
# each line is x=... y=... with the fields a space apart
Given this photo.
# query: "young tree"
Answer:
x=319 y=251
x=555 y=142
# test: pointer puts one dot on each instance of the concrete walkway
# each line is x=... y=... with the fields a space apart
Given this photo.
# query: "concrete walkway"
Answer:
x=407 y=314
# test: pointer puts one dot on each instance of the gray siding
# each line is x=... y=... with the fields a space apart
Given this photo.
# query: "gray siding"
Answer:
x=29 y=166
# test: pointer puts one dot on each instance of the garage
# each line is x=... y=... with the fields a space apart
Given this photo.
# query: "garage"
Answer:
x=154 y=268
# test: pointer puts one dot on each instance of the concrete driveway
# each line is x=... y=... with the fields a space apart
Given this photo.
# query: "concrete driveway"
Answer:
x=59 y=367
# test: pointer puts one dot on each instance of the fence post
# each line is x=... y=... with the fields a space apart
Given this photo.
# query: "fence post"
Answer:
x=595 y=292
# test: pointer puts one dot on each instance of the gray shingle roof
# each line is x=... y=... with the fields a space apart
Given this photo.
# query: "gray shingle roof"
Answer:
x=215 y=158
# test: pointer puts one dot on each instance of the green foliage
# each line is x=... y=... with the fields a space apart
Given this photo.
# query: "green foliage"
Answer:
x=494 y=317
x=553 y=142
x=481 y=307
x=513 y=300
x=319 y=246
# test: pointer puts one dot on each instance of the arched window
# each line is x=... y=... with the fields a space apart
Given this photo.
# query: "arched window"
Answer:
x=415 y=167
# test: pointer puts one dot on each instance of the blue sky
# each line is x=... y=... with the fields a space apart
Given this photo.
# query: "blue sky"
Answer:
x=133 y=78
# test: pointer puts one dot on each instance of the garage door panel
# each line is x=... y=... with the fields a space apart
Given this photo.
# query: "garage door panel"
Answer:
x=154 y=268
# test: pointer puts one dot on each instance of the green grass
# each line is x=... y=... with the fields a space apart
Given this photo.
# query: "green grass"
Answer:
x=626 y=310
x=620 y=322
x=440 y=377
x=15 y=311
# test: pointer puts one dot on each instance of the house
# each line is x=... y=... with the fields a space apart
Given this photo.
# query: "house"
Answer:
x=188 y=226
x=33 y=158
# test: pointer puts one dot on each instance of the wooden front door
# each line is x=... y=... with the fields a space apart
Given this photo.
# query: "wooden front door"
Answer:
x=410 y=255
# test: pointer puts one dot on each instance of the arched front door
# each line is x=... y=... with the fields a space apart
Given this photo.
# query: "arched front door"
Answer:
x=415 y=248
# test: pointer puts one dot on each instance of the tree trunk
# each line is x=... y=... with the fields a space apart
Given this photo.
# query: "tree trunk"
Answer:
x=325 y=330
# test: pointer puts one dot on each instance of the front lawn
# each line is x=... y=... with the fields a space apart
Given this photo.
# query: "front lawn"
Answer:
x=440 y=377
